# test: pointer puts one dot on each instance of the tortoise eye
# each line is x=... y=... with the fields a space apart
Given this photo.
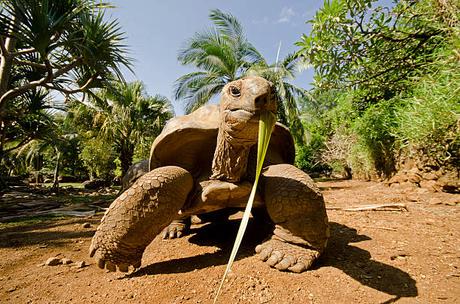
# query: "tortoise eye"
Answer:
x=234 y=91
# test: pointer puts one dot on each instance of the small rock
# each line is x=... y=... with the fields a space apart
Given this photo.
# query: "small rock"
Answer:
x=407 y=185
x=12 y=289
x=412 y=197
x=80 y=264
x=66 y=261
x=453 y=200
x=429 y=176
x=422 y=191
x=401 y=256
x=435 y=201
x=414 y=177
x=397 y=179
x=53 y=261
x=86 y=225
x=430 y=185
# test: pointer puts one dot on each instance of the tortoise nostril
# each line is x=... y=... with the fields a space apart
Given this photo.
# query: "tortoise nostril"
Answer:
x=262 y=100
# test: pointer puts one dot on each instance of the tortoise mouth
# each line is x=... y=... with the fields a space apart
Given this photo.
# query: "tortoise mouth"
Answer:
x=244 y=115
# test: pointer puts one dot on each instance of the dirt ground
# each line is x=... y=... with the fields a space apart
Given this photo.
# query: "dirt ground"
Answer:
x=373 y=256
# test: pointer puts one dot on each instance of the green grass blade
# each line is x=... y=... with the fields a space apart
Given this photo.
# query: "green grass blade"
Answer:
x=266 y=123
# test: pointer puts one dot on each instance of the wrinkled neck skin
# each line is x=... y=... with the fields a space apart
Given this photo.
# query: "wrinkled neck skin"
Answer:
x=234 y=141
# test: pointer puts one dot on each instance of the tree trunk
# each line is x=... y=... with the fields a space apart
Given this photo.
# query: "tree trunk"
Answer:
x=5 y=66
x=37 y=173
x=6 y=63
x=56 y=171
x=126 y=157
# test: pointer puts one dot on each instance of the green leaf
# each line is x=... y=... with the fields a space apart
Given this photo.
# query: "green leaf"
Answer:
x=266 y=123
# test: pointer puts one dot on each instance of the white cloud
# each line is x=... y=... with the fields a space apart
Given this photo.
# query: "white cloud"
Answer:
x=286 y=14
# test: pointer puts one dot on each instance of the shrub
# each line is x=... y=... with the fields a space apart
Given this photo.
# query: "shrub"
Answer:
x=98 y=157
x=430 y=120
x=375 y=144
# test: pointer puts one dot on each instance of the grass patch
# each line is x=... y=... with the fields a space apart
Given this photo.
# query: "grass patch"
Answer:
x=84 y=199
x=31 y=220
x=64 y=185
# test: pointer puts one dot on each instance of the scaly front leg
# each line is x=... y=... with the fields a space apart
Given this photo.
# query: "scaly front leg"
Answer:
x=297 y=208
x=138 y=215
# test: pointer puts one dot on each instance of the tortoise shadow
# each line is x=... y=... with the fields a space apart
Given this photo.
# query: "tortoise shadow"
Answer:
x=354 y=261
x=220 y=235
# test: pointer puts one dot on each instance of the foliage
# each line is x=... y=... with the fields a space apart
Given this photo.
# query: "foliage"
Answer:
x=221 y=54
x=51 y=45
x=98 y=157
x=53 y=154
x=430 y=118
x=374 y=130
x=126 y=117
x=308 y=155
x=288 y=94
x=27 y=118
x=386 y=79
x=371 y=49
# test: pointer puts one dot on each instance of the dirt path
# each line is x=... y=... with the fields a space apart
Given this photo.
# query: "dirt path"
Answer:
x=373 y=257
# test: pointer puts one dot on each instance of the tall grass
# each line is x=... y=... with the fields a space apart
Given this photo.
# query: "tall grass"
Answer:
x=430 y=118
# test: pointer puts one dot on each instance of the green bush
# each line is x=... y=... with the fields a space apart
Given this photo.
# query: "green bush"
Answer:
x=308 y=157
x=375 y=145
x=430 y=120
x=98 y=157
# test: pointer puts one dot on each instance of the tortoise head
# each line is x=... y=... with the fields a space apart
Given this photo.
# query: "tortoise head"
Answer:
x=240 y=106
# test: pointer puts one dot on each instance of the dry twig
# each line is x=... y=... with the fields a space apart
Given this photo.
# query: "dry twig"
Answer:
x=374 y=207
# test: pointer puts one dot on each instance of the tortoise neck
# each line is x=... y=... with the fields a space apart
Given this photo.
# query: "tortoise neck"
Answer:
x=230 y=158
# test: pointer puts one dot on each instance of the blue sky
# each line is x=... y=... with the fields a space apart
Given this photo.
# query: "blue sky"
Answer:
x=156 y=30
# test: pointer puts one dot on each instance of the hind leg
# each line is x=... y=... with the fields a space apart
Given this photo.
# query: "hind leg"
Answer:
x=297 y=209
x=138 y=215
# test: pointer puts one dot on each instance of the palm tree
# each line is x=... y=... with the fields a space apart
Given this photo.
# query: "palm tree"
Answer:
x=288 y=94
x=127 y=117
x=52 y=138
x=221 y=54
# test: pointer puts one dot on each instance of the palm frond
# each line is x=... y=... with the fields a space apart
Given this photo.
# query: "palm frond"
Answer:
x=227 y=24
x=184 y=83
x=202 y=95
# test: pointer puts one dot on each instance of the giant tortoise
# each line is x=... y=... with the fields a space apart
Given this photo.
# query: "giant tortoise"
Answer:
x=204 y=162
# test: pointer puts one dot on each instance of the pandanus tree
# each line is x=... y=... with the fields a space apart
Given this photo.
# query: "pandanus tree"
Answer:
x=52 y=45
x=222 y=54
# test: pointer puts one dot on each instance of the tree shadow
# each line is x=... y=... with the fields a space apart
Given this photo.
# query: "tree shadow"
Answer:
x=354 y=261
x=358 y=264
x=36 y=230
x=50 y=238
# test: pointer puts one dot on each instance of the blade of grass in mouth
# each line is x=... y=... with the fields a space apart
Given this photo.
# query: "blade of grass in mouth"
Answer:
x=266 y=123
